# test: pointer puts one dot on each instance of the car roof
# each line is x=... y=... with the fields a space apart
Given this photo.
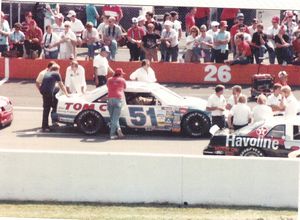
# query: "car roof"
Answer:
x=288 y=120
x=135 y=86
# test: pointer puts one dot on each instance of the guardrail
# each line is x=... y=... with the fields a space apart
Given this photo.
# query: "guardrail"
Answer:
x=208 y=73
x=148 y=178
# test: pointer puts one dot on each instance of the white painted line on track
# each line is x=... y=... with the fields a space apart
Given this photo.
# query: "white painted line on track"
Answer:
x=6 y=71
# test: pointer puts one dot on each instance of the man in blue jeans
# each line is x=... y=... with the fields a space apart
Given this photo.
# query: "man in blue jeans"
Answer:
x=116 y=86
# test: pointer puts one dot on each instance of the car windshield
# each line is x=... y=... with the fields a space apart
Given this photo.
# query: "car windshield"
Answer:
x=168 y=96
x=247 y=129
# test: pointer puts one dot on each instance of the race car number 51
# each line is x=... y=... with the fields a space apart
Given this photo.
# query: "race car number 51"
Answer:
x=215 y=74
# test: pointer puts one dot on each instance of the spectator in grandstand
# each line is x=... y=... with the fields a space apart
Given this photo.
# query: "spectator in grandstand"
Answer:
x=51 y=10
x=67 y=42
x=259 y=44
x=90 y=37
x=3 y=17
x=75 y=78
x=17 y=38
x=240 y=114
x=291 y=105
x=220 y=41
x=283 y=47
x=202 y=16
x=191 y=39
x=296 y=49
x=116 y=86
x=135 y=35
x=229 y=15
x=203 y=45
x=33 y=40
x=236 y=28
x=150 y=43
x=145 y=73
x=101 y=27
x=113 y=11
x=167 y=17
x=261 y=111
x=243 y=53
x=58 y=26
x=289 y=24
x=92 y=14
x=25 y=24
x=141 y=22
x=275 y=100
x=296 y=31
x=101 y=67
x=4 y=35
x=169 y=43
x=242 y=29
x=190 y=20
x=216 y=105
x=176 y=24
x=253 y=28
x=233 y=99
x=76 y=26
x=213 y=32
x=271 y=33
x=150 y=19
x=112 y=34
x=47 y=89
x=50 y=38
x=283 y=78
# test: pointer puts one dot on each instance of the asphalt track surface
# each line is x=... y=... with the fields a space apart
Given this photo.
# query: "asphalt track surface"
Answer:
x=24 y=134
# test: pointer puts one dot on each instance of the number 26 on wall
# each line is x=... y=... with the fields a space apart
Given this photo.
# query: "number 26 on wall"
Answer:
x=214 y=73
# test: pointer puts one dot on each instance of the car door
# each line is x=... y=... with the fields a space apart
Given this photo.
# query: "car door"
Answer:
x=292 y=141
x=144 y=110
x=277 y=135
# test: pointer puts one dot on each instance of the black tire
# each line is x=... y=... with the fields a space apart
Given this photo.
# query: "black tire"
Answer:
x=195 y=124
x=252 y=152
x=89 y=122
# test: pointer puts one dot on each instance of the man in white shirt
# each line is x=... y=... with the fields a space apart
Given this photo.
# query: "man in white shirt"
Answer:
x=261 y=111
x=291 y=105
x=271 y=33
x=233 y=99
x=75 y=78
x=76 y=26
x=90 y=36
x=144 y=74
x=176 y=24
x=58 y=26
x=101 y=67
x=240 y=114
x=50 y=38
x=169 y=45
x=275 y=100
x=216 y=105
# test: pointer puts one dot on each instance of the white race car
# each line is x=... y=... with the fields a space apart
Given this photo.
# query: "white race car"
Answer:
x=148 y=106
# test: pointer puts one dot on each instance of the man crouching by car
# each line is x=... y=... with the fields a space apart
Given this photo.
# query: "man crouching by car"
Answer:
x=47 y=89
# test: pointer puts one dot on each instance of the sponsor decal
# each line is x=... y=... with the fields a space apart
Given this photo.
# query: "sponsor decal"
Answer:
x=262 y=131
x=79 y=106
x=237 y=141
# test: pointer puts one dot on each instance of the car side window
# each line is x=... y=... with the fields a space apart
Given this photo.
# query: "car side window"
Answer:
x=102 y=99
x=296 y=132
x=133 y=98
x=277 y=132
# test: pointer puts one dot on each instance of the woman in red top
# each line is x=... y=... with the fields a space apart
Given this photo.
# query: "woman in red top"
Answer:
x=116 y=86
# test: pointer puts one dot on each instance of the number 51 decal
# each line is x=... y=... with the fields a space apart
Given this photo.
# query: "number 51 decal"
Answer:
x=214 y=74
x=139 y=117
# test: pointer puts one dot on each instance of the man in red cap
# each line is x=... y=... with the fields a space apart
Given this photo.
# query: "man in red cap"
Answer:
x=221 y=40
x=116 y=86
x=271 y=33
x=33 y=40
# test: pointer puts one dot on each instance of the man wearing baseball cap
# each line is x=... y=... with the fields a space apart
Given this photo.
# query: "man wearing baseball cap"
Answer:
x=115 y=86
x=101 y=66
x=169 y=45
x=220 y=43
x=134 y=36
x=283 y=78
x=271 y=32
x=76 y=26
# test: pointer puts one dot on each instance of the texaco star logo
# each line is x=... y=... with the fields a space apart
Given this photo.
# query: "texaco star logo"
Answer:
x=262 y=131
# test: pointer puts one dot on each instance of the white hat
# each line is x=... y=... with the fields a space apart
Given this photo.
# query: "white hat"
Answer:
x=67 y=23
x=168 y=23
x=134 y=20
x=71 y=13
x=282 y=74
x=215 y=23
x=141 y=18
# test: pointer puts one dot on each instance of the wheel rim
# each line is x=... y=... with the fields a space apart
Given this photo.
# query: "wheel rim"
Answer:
x=196 y=125
x=89 y=123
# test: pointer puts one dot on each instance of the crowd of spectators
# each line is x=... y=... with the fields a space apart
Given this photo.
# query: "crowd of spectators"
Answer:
x=206 y=41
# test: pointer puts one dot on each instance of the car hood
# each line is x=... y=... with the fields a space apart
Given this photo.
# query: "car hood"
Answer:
x=193 y=102
x=3 y=101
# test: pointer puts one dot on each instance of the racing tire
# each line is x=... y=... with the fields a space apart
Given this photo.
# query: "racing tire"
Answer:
x=252 y=152
x=89 y=122
x=195 y=124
